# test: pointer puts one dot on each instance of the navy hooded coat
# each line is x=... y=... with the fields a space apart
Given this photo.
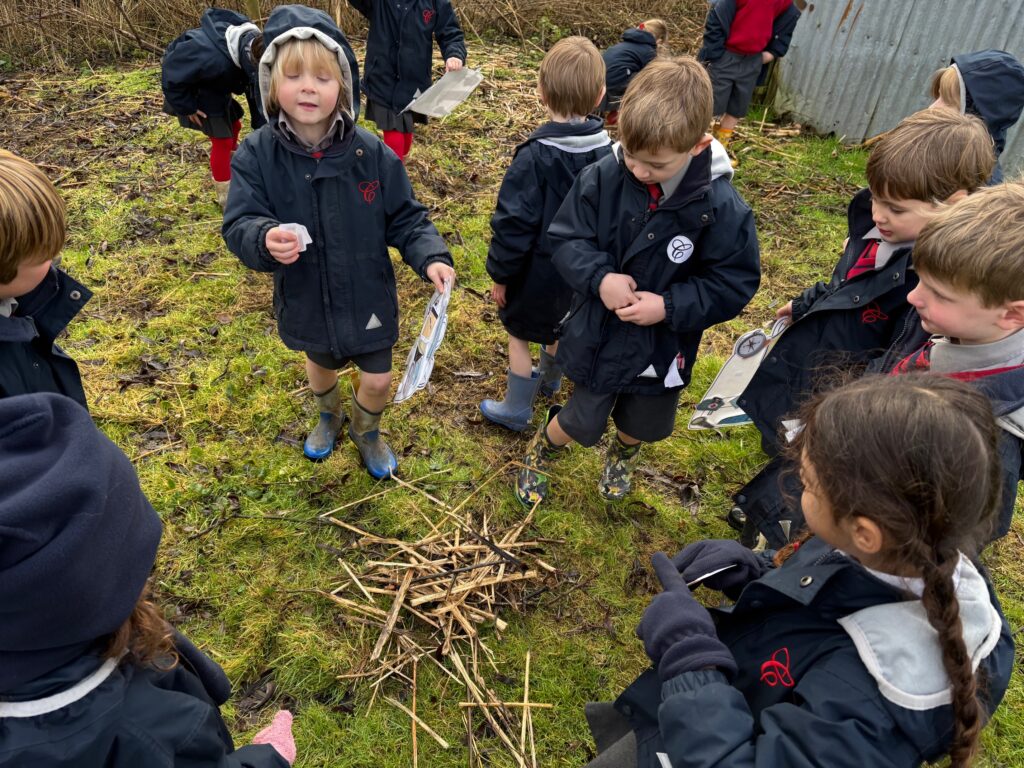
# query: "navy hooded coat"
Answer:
x=622 y=62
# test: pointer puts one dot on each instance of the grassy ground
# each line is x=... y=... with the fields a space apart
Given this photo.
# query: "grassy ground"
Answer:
x=185 y=372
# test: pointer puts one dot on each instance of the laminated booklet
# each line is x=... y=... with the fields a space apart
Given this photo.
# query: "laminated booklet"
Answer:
x=420 y=361
x=440 y=99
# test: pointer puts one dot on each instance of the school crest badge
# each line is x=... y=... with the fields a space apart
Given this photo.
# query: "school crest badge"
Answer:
x=679 y=249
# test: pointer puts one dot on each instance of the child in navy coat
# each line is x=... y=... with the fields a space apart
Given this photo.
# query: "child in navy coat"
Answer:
x=639 y=46
x=531 y=296
x=657 y=247
x=878 y=642
x=334 y=297
x=398 y=53
x=90 y=672
x=201 y=69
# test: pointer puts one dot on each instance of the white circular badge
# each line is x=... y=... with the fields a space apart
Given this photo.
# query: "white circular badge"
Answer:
x=680 y=248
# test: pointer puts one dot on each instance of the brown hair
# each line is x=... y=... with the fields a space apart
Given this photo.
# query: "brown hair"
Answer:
x=930 y=155
x=658 y=28
x=977 y=245
x=296 y=56
x=571 y=77
x=945 y=86
x=33 y=223
x=145 y=636
x=667 y=105
x=918 y=456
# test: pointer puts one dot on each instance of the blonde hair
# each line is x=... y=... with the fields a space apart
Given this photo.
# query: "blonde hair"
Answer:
x=658 y=28
x=945 y=86
x=33 y=223
x=571 y=76
x=667 y=105
x=297 y=56
x=977 y=245
x=931 y=155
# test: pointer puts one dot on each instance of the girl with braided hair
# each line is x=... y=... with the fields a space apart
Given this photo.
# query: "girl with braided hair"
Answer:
x=878 y=640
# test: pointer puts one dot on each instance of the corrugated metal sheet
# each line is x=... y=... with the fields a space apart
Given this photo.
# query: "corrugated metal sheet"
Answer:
x=857 y=67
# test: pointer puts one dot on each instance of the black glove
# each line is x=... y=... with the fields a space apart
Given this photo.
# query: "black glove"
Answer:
x=678 y=633
x=707 y=556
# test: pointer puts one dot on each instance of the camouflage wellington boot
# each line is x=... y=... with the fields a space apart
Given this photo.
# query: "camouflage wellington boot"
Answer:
x=619 y=463
x=532 y=481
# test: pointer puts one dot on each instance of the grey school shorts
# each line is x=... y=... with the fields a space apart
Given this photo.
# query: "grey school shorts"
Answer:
x=370 y=362
x=644 y=417
x=733 y=79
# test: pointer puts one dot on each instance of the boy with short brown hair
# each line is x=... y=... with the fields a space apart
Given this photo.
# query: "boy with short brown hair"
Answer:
x=531 y=296
x=37 y=300
x=658 y=247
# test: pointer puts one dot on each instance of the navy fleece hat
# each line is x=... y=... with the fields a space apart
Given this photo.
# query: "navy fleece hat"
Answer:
x=77 y=536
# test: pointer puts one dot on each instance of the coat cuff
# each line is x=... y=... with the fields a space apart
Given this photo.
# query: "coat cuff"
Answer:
x=444 y=258
x=261 y=246
x=670 y=307
x=595 y=281
x=691 y=681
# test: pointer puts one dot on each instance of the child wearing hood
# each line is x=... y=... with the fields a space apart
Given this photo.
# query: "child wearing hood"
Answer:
x=334 y=291
x=637 y=49
x=988 y=84
x=201 y=69
x=90 y=672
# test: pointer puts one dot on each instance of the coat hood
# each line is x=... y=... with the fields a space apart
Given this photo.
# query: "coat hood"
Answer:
x=215 y=23
x=297 y=22
x=992 y=87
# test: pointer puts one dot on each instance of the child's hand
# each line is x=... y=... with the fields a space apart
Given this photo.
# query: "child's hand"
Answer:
x=197 y=117
x=282 y=245
x=279 y=735
x=767 y=58
x=648 y=310
x=784 y=311
x=498 y=294
x=438 y=272
x=454 y=64
x=616 y=291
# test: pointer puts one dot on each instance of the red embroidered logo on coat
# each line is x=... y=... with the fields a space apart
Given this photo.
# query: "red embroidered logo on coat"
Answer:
x=369 y=190
x=872 y=314
x=775 y=671
x=428 y=15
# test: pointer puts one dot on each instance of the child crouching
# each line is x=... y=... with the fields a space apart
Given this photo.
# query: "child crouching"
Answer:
x=335 y=298
x=658 y=247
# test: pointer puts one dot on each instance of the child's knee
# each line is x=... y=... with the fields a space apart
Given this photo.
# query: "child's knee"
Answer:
x=375 y=384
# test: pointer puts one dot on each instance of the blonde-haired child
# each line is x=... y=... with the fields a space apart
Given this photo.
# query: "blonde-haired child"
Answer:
x=334 y=296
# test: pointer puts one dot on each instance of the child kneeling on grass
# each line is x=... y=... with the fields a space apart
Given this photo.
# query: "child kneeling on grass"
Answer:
x=658 y=247
x=90 y=672
x=530 y=294
x=878 y=642
x=335 y=298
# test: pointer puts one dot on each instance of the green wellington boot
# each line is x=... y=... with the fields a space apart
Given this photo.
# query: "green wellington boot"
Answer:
x=365 y=433
x=320 y=443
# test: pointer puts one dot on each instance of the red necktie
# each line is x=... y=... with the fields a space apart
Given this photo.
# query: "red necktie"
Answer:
x=866 y=262
x=654 y=190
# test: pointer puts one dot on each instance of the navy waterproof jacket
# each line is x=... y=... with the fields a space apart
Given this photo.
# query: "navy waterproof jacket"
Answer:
x=623 y=60
x=399 y=46
x=838 y=326
x=719 y=23
x=199 y=74
x=994 y=91
x=698 y=250
x=803 y=697
x=131 y=717
x=355 y=200
x=30 y=361
x=541 y=174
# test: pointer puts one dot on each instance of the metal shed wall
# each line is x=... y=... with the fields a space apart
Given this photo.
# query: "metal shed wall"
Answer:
x=857 y=67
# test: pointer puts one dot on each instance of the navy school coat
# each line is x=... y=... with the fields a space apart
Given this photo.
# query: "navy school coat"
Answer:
x=624 y=60
x=698 y=249
x=541 y=174
x=399 y=46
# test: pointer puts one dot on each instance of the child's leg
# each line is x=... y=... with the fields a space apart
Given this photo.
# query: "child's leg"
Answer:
x=236 y=128
x=323 y=382
x=396 y=140
x=367 y=406
x=408 y=142
x=516 y=410
x=550 y=371
x=638 y=419
x=220 y=158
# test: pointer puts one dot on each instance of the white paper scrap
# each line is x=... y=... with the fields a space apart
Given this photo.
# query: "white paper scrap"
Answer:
x=302 y=233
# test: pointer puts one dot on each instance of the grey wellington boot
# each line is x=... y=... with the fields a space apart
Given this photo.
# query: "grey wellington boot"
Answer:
x=365 y=433
x=516 y=410
x=550 y=374
x=320 y=443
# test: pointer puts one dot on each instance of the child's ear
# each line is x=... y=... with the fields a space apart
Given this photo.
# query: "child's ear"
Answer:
x=1013 y=316
x=700 y=146
x=540 y=95
x=601 y=97
x=866 y=535
x=957 y=196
